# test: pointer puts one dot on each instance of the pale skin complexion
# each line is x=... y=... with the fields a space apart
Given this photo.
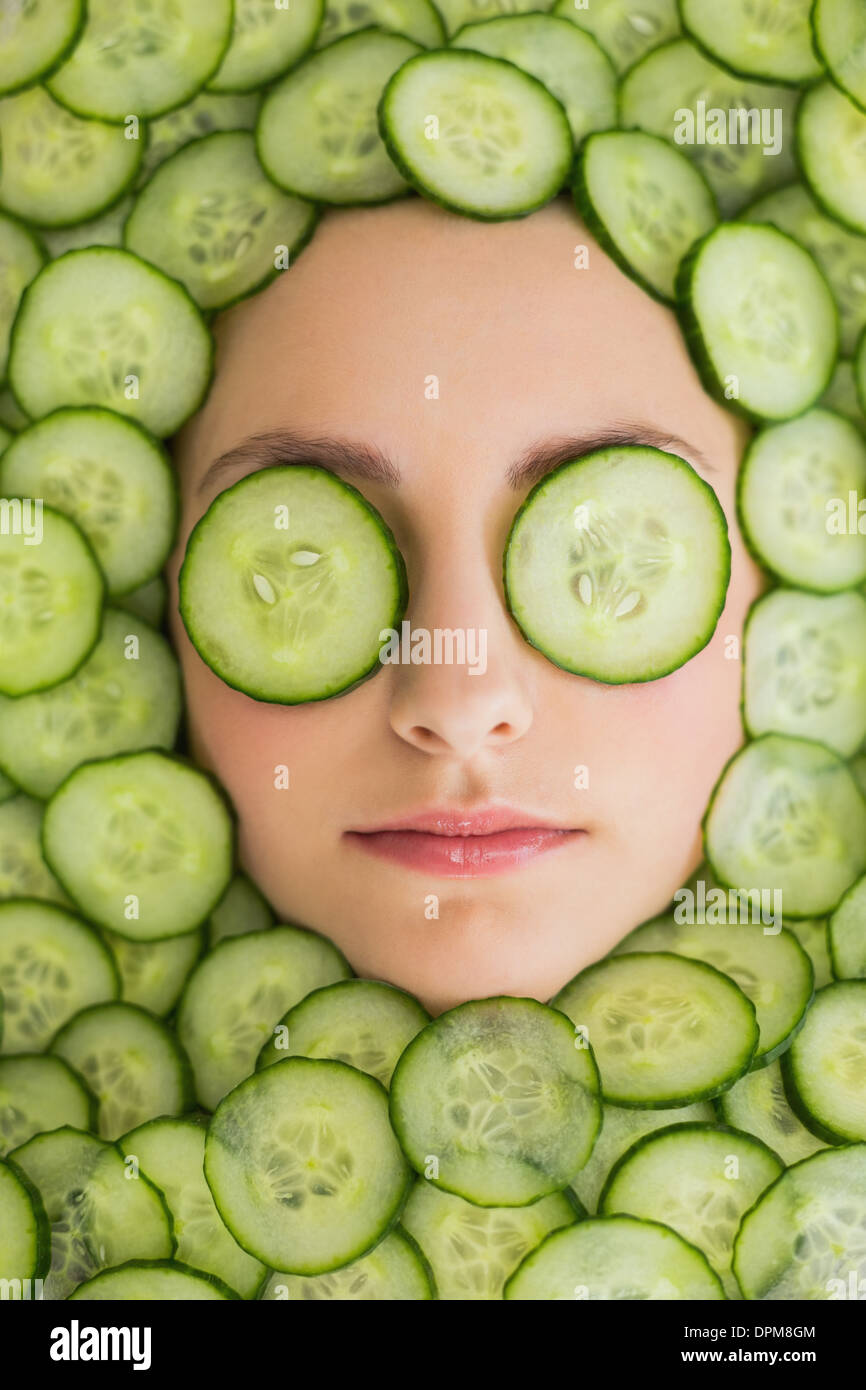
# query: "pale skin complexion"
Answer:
x=527 y=349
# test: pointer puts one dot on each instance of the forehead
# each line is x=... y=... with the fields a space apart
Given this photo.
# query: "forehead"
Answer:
x=406 y=322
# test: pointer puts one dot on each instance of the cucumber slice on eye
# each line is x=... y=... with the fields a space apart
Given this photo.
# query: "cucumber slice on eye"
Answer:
x=501 y=145
x=772 y=40
x=646 y=203
x=25 y=1249
x=568 y=61
x=39 y=1093
x=759 y=319
x=36 y=36
x=52 y=591
x=58 y=169
x=806 y=1237
x=143 y=57
x=23 y=871
x=757 y=1104
x=498 y=1096
x=153 y=973
x=143 y=841
x=395 y=1271
x=207 y=112
x=102 y=327
x=626 y=30
x=620 y=1128
x=266 y=40
x=839 y=28
x=804 y=662
x=419 y=20
x=21 y=257
x=210 y=218
x=831 y=145
x=474 y=1250
x=787 y=815
x=51 y=965
x=98 y=1217
x=617 y=565
x=316 y=135
x=614 y=1258
x=288 y=581
x=684 y=1176
x=110 y=477
x=847 y=934
x=303 y=1166
x=238 y=994
x=151 y=1281
x=362 y=1022
x=825 y=1068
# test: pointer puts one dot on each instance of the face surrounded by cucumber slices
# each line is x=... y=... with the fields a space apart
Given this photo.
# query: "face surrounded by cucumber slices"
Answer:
x=441 y=368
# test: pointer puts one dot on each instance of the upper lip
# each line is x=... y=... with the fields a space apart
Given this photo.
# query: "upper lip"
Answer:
x=457 y=821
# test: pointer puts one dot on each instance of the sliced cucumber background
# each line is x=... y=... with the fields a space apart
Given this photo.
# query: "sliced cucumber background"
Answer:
x=620 y=1128
x=150 y=1281
x=839 y=28
x=771 y=41
x=266 y=40
x=395 y=1272
x=419 y=20
x=21 y=257
x=824 y=1070
x=39 y=1093
x=758 y=1105
x=832 y=153
x=23 y=870
x=625 y=30
x=36 y=36
x=153 y=973
x=847 y=934
x=24 y=1250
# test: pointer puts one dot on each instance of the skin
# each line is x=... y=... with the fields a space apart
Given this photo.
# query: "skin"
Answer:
x=525 y=346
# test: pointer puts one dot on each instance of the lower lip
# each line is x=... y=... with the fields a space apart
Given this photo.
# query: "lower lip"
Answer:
x=464 y=856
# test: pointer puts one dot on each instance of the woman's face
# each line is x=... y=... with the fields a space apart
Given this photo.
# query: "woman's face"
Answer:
x=467 y=355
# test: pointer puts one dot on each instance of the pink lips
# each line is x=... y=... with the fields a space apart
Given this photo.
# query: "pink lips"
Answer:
x=462 y=844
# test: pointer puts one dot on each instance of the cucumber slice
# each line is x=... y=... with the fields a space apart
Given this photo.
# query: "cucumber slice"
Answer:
x=614 y=1258
x=26 y=1245
x=673 y=80
x=772 y=41
x=207 y=112
x=142 y=841
x=7 y=791
x=645 y=202
x=804 y=663
x=839 y=29
x=150 y=1281
x=419 y=20
x=21 y=257
x=291 y=613
x=146 y=56
x=395 y=1272
x=500 y=1097
x=793 y=478
x=697 y=1179
x=316 y=135
x=811 y=932
x=831 y=146
x=98 y=1218
x=474 y=1250
x=757 y=1104
x=666 y=1031
x=266 y=39
x=858 y=771
x=847 y=934
x=840 y=254
x=242 y=909
x=110 y=477
x=787 y=815
x=23 y=871
x=153 y=973
x=12 y=417
x=456 y=13
x=210 y=218
x=148 y=602
x=39 y=1093
x=626 y=30
x=841 y=395
x=362 y=1022
x=759 y=320
x=52 y=589
x=36 y=37
x=58 y=169
x=130 y=1060
x=501 y=146
x=804 y=1239
x=600 y=578
x=105 y=230
x=97 y=325
x=773 y=971
x=566 y=60
x=303 y=1166
x=619 y=1130
x=51 y=965
x=171 y=1154
x=6 y=437
x=113 y=704
x=238 y=994
x=825 y=1068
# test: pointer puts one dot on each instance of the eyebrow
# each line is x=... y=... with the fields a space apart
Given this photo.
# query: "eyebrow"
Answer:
x=366 y=463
